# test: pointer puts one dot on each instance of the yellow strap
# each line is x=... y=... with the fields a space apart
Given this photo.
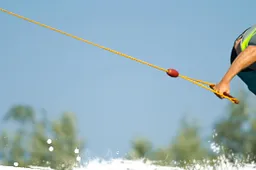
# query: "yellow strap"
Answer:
x=195 y=81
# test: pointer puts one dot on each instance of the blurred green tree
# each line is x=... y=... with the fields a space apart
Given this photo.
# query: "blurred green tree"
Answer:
x=20 y=113
x=235 y=132
x=17 y=151
x=188 y=146
x=32 y=148
x=161 y=156
x=141 y=148
x=16 y=147
x=4 y=147
x=185 y=147
x=252 y=133
x=39 y=150
x=65 y=142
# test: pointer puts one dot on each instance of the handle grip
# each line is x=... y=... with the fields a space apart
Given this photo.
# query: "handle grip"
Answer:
x=233 y=99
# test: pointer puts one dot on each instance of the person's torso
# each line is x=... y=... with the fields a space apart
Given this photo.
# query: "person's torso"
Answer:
x=250 y=80
x=248 y=75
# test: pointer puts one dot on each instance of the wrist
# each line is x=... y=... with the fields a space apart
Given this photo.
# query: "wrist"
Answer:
x=225 y=80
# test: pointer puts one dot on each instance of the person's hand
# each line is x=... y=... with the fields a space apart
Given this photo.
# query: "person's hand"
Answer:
x=222 y=88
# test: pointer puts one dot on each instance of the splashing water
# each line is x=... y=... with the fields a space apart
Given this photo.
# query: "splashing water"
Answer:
x=214 y=146
x=16 y=164
x=120 y=164
x=221 y=163
x=49 y=141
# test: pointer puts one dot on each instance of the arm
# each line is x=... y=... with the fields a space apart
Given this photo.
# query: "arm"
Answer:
x=243 y=60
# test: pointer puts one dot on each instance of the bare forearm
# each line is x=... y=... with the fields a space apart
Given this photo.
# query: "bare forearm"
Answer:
x=243 y=60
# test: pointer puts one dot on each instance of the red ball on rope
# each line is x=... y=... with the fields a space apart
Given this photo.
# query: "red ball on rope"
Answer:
x=172 y=72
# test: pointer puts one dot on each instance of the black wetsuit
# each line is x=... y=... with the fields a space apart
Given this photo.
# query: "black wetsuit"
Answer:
x=248 y=75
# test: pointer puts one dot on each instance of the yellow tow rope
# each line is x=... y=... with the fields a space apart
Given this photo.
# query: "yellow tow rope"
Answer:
x=203 y=84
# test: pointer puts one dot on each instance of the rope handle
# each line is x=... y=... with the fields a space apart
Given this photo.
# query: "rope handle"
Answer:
x=233 y=99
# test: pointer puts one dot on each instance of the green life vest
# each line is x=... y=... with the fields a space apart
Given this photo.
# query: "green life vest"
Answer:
x=247 y=37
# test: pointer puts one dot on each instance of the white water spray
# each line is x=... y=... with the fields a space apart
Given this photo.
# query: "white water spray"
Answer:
x=221 y=163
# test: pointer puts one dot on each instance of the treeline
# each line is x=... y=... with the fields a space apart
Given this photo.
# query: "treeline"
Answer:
x=51 y=143
x=234 y=137
x=39 y=141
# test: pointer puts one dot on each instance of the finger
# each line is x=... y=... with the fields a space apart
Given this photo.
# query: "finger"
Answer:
x=212 y=86
x=219 y=96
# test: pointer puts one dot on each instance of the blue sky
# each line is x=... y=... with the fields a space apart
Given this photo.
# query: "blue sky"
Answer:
x=116 y=99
